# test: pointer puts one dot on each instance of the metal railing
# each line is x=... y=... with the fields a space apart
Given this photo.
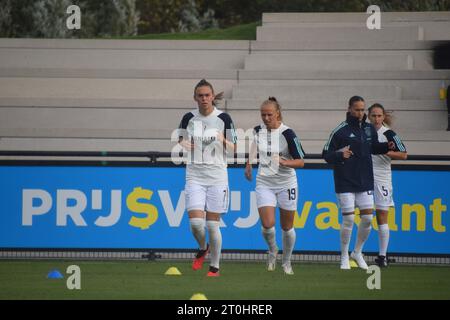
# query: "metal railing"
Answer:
x=153 y=156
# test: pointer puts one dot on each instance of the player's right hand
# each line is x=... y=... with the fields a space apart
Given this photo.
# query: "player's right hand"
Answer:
x=186 y=145
x=391 y=146
x=346 y=152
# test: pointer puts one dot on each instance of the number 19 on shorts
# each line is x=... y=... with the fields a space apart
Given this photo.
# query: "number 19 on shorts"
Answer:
x=292 y=194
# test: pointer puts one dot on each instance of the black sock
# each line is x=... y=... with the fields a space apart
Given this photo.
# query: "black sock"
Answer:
x=213 y=269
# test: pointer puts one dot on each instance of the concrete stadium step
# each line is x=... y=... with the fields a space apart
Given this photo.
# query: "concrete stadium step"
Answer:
x=73 y=88
x=426 y=135
x=358 y=17
x=230 y=104
x=336 y=34
x=407 y=135
x=82 y=122
x=413 y=147
x=340 y=61
x=313 y=105
x=304 y=132
x=345 y=45
x=281 y=65
x=436 y=30
x=230 y=74
x=89 y=133
x=433 y=26
x=314 y=92
x=145 y=123
x=410 y=89
x=99 y=103
x=328 y=119
x=424 y=142
x=84 y=144
x=428 y=147
x=344 y=75
x=428 y=30
x=121 y=59
x=216 y=45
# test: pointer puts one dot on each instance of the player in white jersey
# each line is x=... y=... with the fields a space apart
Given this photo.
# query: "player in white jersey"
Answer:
x=383 y=193
x=280 y=153
x=207 y=134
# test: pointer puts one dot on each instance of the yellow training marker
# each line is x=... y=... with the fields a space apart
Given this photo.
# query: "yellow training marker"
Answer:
x=353 y=264
x=198 y=296
x=173 y=271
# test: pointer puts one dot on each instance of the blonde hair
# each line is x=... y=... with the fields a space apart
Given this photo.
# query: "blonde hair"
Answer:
x=273 y=101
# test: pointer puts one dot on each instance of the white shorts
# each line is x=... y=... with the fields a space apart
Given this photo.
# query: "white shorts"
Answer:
x=285 y=197
x=206 y=198
x=383 y=196
x=348 y=201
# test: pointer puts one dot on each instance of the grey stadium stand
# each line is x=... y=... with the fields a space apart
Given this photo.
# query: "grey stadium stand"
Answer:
x=126 y=95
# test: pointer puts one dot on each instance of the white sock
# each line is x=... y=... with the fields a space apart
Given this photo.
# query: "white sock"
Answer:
x=215 y=242
x=363 y=231
x=198 y=230
x=383 y=238
x=288 y=245
x=269 y=236
x=346 y=233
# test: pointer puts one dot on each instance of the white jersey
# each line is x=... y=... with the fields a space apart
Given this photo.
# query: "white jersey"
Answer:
x=282 y=142
x=382 y=163
x=207 y=163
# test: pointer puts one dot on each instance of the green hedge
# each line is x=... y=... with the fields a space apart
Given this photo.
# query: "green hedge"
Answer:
x=112 y=18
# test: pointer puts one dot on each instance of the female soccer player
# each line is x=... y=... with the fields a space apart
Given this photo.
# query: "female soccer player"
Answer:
x=383 y=194
x=349 y=150
x=280 y=153
x=208 y=134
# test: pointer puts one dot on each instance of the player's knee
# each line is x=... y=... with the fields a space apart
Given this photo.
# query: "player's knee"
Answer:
x=286 y=226
x=382 y=217
x=348 y=220
x=366 y=219
x=268 y=224
x=268 y=231
x=213 y=226
x=197 y=224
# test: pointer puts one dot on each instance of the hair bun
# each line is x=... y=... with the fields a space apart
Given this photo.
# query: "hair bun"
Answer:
x=273 y=99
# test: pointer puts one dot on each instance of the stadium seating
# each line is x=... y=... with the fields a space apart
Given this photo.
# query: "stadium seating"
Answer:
x=129 y=95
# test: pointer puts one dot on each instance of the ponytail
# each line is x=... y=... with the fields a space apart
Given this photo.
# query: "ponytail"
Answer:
x=218 y=97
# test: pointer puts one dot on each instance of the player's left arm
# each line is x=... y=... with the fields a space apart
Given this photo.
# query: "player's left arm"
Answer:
x=228 y=137
x=295 y=150
x=399 y=152
x=377 y=146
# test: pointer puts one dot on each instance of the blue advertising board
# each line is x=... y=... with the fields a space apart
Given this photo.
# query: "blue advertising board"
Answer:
x=144 y=207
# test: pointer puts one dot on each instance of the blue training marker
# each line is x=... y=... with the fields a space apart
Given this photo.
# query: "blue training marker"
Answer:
x=54 y=274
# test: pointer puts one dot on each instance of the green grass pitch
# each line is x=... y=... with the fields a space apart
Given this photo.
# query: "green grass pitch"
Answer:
x=238 y=280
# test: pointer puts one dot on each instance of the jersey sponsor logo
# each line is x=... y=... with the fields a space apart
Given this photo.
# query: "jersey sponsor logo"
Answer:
x=201 y=133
